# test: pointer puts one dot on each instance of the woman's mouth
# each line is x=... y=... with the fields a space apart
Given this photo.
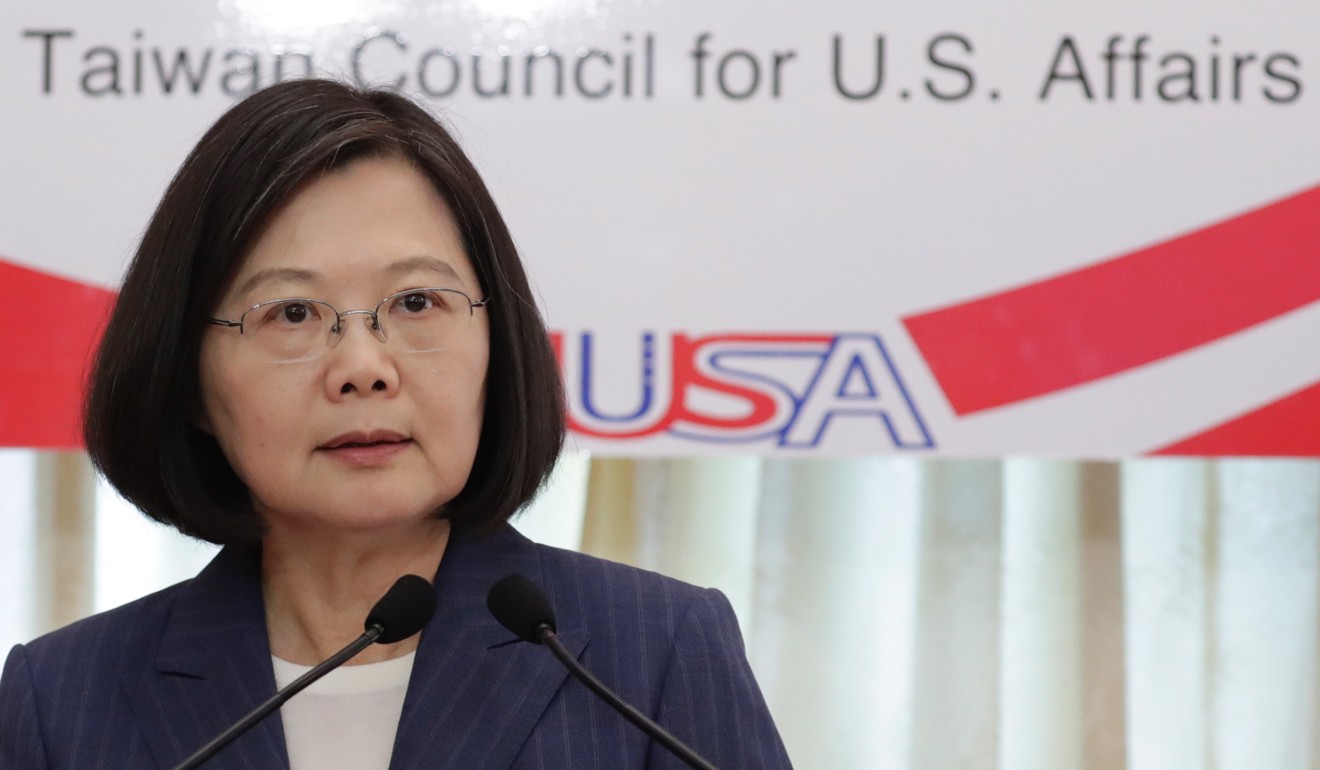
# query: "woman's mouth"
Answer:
x=366 y=447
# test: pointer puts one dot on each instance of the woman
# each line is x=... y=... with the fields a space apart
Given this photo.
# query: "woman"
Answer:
x=325 y=357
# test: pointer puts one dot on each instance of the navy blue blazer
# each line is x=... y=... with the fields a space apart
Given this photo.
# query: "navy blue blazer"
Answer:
x=144 y=685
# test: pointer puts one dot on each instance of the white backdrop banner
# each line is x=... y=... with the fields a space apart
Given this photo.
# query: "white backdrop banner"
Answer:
x=953 y=228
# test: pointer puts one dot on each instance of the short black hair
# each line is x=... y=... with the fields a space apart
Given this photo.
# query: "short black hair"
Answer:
x=143 y=397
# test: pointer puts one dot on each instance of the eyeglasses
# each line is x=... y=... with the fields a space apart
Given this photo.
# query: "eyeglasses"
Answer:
x=301 y=329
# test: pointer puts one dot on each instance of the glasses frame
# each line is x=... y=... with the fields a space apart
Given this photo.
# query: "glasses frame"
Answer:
x=336 y=331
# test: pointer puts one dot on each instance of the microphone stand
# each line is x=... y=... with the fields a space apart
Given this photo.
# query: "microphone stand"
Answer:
x=275 y=701
x=662 y=736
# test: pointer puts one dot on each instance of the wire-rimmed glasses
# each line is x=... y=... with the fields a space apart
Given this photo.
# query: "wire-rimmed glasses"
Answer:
x=298 y=329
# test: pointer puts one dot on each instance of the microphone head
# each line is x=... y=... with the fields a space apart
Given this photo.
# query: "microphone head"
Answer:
x=519 y=606
x=403 y=610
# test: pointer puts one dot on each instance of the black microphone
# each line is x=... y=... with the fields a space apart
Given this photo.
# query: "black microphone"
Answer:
x=519 y=606
x=400 y=613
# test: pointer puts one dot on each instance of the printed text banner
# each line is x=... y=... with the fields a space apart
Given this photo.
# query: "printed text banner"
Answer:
x=964 y=229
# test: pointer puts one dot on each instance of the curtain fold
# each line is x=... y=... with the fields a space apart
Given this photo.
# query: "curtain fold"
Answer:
x=1264 y=626
x=956 y=694
x=1168 y=526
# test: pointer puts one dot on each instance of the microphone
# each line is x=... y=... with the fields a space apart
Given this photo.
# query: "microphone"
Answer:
x=403 y=611
x=521 y=607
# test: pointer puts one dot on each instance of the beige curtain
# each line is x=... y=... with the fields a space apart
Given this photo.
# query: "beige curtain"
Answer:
x=900 y=613
x=1018 y=614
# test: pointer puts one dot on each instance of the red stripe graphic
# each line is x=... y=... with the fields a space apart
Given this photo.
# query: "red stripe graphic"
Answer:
x=1289 y=427
x=1126 y=311
x=50 y=327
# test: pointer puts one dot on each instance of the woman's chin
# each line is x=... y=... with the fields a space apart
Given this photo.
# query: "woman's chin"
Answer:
x=360 y=517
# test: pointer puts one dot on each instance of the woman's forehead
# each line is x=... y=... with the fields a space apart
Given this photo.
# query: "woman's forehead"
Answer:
x=374 y=221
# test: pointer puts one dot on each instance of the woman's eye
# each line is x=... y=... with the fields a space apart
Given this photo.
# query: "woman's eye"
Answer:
x=293 y=313
x=416 y=302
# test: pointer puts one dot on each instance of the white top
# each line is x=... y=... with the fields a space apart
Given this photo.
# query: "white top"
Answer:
x=347 y=718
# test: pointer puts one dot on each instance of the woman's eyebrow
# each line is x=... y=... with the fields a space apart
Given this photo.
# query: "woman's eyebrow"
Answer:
x=271 y=274
x=299 y=275
x=423 y=262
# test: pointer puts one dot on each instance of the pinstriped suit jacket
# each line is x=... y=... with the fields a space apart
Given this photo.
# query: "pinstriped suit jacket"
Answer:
x=144 y=685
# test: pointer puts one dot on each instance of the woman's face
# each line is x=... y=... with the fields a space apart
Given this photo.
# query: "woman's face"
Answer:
x=366 y=434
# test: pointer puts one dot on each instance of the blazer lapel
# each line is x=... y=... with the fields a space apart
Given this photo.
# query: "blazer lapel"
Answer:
x=213 y=666
x=474 y=696
x=476 y=691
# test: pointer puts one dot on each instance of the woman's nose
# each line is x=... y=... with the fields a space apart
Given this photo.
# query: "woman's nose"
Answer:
x=359 y=361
